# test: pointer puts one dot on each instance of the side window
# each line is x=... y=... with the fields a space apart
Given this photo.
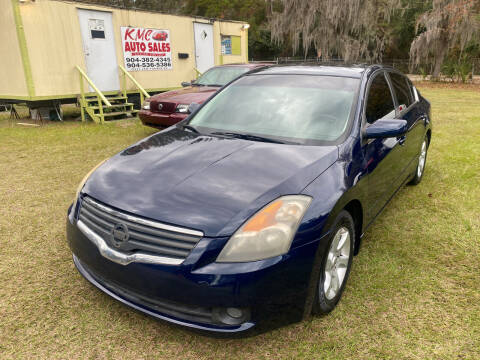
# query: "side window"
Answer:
x=412 y=90
x=402 y=90
x=379 y=101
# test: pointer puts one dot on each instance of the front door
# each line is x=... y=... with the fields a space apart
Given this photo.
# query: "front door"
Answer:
x=204 y=55
x=99 y=48
x=384 y=157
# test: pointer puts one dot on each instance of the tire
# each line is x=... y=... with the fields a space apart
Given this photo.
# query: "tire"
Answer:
x=327 y=294
x=421 y=163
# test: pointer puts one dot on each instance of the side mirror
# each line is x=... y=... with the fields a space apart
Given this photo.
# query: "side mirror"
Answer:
x=386 y=128
x=186 y=83
x=192 y=107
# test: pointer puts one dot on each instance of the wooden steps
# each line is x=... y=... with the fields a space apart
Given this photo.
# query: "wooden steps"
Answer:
x=101 y=107
x=99 y=112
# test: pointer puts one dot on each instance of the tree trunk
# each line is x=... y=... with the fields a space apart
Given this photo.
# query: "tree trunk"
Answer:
x=439 y=57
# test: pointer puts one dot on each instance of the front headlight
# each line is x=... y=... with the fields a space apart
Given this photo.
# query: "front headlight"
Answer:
x=146 y=104
x=268 y=233
x=182 y=108
x=82 y=183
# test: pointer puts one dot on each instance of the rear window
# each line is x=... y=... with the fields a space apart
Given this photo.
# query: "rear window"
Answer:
x=402 y=90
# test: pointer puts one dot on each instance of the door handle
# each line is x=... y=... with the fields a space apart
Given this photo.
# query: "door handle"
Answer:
x=424 y=118
x=401 y=140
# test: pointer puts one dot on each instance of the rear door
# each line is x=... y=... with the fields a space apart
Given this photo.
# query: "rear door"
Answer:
x=384 y=157
x=99 y=48
x=204 y=54
x=407 y=110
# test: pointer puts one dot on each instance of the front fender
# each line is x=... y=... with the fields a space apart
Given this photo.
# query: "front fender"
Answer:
x=343 y=182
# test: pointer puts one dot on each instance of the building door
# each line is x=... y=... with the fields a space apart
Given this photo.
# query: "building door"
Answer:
x=204 y=55
x=99 y=48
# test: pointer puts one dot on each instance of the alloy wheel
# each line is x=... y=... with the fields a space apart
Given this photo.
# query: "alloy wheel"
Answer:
x=421 y=159
x=337 y=263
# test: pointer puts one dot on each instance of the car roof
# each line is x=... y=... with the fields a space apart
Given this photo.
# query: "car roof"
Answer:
x=249 y=65
x=354 y=71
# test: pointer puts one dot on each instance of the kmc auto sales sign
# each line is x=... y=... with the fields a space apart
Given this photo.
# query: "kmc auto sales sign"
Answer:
x=146 y=49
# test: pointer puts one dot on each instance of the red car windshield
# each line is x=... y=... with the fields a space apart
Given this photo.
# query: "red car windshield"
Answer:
x=219 y=76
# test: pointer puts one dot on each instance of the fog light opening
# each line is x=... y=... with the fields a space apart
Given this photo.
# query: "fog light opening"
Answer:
x=231 y=315
x=235 y=313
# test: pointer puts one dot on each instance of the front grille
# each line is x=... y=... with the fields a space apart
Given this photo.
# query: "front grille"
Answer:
x=145 y=236
x=167 y=107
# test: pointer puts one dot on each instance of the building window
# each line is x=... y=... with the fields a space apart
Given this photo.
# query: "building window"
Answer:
x=97 y=28
x=231 y=45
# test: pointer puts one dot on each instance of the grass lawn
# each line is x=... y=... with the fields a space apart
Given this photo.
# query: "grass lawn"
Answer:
x=414 y=290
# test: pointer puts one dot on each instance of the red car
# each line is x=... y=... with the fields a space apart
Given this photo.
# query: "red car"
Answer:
x=160 y=36
x=170 y=107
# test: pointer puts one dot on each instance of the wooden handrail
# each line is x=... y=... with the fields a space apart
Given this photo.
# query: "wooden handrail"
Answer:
x=90 y=82
x=197 y=72
x=135 y=82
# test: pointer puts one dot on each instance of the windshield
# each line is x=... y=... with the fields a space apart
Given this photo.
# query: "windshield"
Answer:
x=299 y=108
x=219 y=76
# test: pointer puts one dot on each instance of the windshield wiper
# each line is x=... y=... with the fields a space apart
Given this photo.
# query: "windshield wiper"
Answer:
x=191 y=128
x=250 y=137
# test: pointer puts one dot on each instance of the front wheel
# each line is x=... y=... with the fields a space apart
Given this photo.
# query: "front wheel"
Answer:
x=422 y=160
x=335 y=265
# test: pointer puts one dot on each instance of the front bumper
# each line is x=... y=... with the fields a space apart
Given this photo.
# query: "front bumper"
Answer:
x=164 y=310
x=196 y=293
x=159 y=120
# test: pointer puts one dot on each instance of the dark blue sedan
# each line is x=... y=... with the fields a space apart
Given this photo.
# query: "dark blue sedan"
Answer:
x=248 y=213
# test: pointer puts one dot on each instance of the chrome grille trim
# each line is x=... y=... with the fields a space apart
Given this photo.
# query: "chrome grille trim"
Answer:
x=146 y=241
x=121 y=258
x=142 y=221
x=167 y=107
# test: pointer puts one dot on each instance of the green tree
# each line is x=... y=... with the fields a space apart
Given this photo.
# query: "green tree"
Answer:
x=402 y=28
x=448 y=26
x=352 y=30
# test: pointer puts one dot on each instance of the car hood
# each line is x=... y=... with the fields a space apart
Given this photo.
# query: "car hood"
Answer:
x=202 y=182
x=187 y=95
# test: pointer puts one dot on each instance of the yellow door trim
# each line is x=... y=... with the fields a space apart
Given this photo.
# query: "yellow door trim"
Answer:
x=22 y=42
x=246 y=46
